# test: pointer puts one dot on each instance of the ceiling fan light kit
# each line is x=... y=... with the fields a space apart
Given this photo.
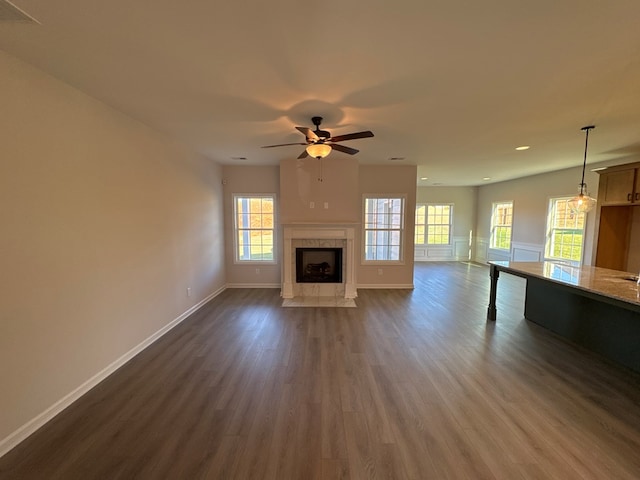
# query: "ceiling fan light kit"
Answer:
x=582 y=202
x=318 y=150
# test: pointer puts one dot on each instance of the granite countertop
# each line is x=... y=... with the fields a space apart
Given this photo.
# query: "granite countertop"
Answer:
x=602 y=281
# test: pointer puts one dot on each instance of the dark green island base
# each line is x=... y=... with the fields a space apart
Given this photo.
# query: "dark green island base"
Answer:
x=596 y=308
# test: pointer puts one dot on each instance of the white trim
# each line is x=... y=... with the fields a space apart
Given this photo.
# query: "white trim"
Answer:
x=21 y=434
x=456 y=251
x=498 y=254
x=316 y=232
x=395 y=286
x=527 y=252
x=426 y=223
x=236 y=260
x=481 y=250
x=382 y=262
x=253 y=285
x=492 y=227
x=402 y=230
x=550 y=211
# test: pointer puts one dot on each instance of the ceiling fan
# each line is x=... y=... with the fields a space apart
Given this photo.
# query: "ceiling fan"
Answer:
x=320 y=142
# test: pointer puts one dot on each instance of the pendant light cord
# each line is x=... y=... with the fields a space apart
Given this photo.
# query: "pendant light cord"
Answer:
x=584 y=163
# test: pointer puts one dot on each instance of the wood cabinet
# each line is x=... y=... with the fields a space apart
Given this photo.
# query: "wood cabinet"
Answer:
x=620 y=185
x=614 y=237
x=618 y=217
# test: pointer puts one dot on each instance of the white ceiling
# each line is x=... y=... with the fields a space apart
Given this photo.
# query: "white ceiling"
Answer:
x=452 y=86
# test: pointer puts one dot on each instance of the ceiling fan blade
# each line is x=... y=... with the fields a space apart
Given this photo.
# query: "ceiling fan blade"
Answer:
x=352 y=136
x=283 y=145
x=310 y=134
x=304 y=154
x=343 y=149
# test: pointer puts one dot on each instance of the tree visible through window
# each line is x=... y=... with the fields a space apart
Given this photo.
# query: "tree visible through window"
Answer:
x=254 y=225
x=501 y=222
x=565 y=231
x=433 y=224
x=383 y=228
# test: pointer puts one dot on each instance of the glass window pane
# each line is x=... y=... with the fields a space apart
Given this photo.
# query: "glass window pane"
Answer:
x=255 y=223
x=383 y=223
x=565 y=232
x=439 y=220
x=501 y=225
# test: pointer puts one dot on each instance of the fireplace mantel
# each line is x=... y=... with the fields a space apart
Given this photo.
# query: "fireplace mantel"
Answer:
x=310 y=231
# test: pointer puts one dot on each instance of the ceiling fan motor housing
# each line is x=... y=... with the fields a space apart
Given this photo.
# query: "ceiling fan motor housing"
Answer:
x=321 y=133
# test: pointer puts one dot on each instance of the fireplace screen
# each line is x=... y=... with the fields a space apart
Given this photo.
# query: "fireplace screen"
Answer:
x=319 y=265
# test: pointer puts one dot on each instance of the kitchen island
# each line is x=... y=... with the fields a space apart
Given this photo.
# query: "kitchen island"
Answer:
x=596 y=308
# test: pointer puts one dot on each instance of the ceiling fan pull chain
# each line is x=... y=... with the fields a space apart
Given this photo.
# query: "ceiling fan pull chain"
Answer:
x=320 y=177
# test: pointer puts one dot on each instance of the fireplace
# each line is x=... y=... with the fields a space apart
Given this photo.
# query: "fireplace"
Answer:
x=323 y=237
x=319 y=265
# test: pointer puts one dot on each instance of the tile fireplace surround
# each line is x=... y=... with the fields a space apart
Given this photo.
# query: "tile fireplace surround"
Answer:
x=315 y=235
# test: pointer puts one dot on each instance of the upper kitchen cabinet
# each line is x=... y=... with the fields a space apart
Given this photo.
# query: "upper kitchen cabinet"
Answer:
x=620 y=185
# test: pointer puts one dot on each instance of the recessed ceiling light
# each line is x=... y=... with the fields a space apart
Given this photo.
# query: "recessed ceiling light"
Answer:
x=396 y=159
x=523 y=147
x=238 y=158
x=424 y=178
x=486 y=178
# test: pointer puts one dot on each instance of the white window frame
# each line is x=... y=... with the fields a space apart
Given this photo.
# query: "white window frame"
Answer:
x=551 y=229
x=426 y=224
x=496 y=225
x=237 y=229
x=420 y=224
x=400 y=228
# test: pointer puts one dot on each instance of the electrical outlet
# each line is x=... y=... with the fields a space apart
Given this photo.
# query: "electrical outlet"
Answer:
x=188 y=291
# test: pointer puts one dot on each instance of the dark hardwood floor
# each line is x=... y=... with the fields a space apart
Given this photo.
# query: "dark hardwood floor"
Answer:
x=409 y=385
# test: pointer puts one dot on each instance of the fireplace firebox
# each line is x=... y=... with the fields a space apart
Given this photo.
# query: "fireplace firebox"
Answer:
x=319 y=265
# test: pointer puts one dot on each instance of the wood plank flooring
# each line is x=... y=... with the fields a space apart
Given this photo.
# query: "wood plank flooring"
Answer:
x=409 y=385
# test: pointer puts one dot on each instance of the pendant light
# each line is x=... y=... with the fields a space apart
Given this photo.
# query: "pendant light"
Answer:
x=582 y=202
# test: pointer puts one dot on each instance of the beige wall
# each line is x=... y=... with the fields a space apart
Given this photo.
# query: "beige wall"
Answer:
x=402 y=179
x=459 y=247
x=303 y=197
x=104 y=227
x=463 y=199
x=247 y=180
x=530 y=196
x=296 y=184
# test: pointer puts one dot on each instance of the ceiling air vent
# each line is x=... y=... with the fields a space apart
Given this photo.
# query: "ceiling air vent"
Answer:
x=10 y=13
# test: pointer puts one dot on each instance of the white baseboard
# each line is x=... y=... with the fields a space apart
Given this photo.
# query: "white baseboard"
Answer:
x=19 y=435
x=254 y=285
x=402 y=286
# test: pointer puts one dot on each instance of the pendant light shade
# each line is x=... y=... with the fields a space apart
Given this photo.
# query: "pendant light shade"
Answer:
x=582 y=202
x=319 y=150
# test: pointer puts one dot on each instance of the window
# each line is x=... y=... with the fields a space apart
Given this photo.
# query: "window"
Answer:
x=254 y=228
x=501 y=220
x=565 y=232
x=383 y=228
x=433 y=224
